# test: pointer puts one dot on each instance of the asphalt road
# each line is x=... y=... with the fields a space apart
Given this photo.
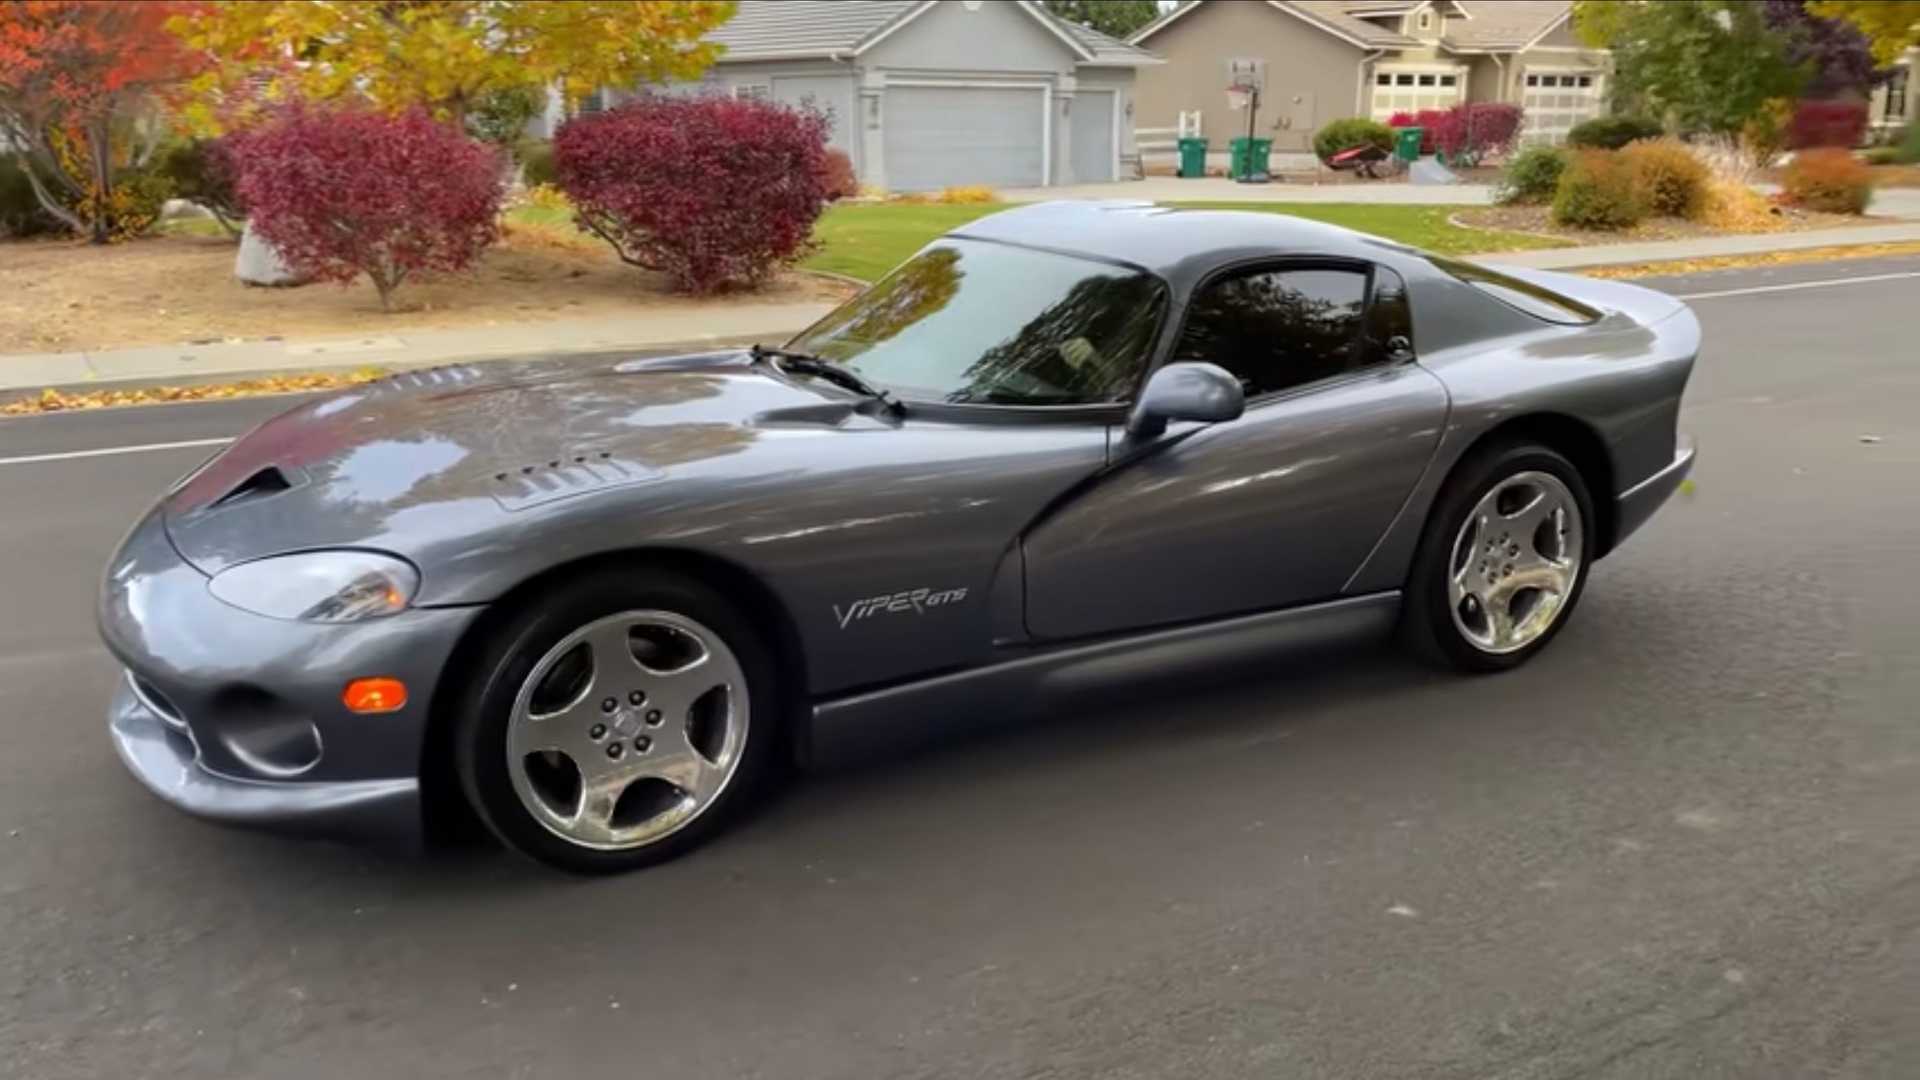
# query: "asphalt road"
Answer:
x=1685 y=842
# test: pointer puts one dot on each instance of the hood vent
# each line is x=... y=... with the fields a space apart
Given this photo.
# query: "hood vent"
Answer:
x=266 y=482
x=579 y=473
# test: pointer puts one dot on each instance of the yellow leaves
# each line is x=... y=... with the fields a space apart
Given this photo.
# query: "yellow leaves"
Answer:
x=51 y=400
x=1891 y=25
x=446 y=55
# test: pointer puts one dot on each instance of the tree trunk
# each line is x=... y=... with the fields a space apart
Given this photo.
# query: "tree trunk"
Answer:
x=101 y=138
x=45 y=198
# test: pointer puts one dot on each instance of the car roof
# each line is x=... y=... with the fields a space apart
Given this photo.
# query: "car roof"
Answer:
x=1175 y=242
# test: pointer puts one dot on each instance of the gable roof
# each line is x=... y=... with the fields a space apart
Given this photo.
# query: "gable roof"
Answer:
x=833 y=29
x=1509 y=24
x=1502 y=26
x=1326 y=15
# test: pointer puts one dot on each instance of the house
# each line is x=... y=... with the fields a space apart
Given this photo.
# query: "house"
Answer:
x=926 y=94
x=1323 y=60
x=1896 y=102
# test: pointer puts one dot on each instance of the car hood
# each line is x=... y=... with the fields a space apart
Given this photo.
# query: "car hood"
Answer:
x=457 y=450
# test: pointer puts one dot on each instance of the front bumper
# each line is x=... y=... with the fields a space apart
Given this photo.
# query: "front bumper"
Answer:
x=1632 y=507
x=387 y=813
x=238 y=718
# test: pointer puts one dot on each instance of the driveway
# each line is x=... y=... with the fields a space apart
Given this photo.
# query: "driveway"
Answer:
x=1683 y=843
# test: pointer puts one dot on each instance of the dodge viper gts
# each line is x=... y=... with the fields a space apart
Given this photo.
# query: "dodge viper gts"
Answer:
x=599 y=606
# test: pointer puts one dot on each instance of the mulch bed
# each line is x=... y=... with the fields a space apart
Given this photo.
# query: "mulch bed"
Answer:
x=1538 y=219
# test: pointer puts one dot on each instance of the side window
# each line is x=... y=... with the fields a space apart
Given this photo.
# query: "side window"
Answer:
x=1276 y=329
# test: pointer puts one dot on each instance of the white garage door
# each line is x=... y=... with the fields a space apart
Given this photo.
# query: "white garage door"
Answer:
x=942 y=136
x=1556 y=100
x=1408 y=90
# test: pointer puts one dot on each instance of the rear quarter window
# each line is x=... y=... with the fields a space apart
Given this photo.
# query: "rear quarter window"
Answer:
x=1522 y=296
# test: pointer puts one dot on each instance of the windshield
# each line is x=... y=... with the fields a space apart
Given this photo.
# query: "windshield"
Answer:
x=973 y=322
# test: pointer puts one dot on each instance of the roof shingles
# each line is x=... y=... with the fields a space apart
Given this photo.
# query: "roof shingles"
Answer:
x=771 y=29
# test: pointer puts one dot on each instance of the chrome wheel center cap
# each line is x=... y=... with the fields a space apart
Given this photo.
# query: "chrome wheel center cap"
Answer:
x=626 y=722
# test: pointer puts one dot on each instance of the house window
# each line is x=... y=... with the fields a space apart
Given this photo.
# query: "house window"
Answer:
x=1426 y=80
x=1446 y=80
x=1426 y=20
x=1383 y=79
x=1533 y=80
x=752 y=92
x=1897 y=93
x=1586 y=81
x=1403 y=80
x=593 y=103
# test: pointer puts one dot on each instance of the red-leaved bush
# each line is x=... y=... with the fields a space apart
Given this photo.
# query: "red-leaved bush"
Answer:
x=1827 y=123
x=340 y=193
x=707 y=190
x=1468 y=133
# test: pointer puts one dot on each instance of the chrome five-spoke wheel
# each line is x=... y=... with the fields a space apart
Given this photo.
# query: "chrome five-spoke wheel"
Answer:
x=628 y=729
x=1515 y=562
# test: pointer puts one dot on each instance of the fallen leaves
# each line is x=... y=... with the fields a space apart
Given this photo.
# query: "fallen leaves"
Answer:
x=51 y=400
x=1740 y=262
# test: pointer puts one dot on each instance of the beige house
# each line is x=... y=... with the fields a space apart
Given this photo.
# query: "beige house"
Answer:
x=1323 y=60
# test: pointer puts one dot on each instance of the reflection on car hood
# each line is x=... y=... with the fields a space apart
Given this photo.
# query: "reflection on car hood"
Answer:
x=467 y=445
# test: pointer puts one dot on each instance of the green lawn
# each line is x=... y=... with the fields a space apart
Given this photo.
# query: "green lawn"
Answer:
x=866 y=240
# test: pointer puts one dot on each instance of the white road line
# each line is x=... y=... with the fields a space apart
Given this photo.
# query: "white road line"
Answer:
x=109 y=451
x=1824 y=284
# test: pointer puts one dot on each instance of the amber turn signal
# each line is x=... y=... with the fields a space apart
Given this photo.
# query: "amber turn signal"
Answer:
x=380 y=695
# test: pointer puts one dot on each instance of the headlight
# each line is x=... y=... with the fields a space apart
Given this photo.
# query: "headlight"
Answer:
x=319 y=586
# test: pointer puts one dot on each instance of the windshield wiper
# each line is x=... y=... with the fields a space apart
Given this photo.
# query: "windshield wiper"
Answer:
x=803 y=363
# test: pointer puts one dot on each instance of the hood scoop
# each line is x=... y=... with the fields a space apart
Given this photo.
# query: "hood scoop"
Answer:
x=264 y=483
x=579 y=473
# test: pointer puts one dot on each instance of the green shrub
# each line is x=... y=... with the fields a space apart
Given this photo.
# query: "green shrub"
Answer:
x=536 y=161
x=1597 y=192
x=1668 y=179
x=1532 y=175
x=1830 y=180
x=1881 y=155
x=1909 y=144
x=202 y=171
x=1612 y=132
x=1349 y=133
x=20 y=212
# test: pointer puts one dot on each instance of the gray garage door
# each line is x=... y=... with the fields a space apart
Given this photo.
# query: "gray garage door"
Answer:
x=1093 y=136
x=939 y=136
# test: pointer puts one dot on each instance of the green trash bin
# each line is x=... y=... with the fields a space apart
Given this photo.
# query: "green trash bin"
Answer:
x=1248 y=157
x=1193 y=158
x=1406 y=143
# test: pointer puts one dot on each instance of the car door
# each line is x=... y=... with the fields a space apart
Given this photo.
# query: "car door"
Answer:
x=1277 y=508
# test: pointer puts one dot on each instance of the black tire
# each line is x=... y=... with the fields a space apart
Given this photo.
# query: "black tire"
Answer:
x=1427 y=623
x=514 y=648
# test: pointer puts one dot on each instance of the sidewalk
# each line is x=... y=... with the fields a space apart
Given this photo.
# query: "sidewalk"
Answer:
x=422 y=348
x=1704 y=248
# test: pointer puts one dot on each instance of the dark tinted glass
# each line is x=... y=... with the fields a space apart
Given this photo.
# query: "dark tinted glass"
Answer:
x=1276 y=329
x=1543 y=304
x=979 y=323
x=1389 y=315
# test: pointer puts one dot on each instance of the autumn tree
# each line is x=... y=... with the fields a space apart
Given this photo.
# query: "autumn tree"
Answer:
x=1893 y=26
x=1115 y=18
x=1700 y=65
x=450 y=56
x=78 y=79
x=1837 y=57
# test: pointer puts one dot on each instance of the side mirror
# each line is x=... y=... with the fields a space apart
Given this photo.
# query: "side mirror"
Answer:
x=1186 y=391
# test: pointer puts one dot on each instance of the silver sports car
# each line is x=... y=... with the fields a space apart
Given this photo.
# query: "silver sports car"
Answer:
x=598 y=607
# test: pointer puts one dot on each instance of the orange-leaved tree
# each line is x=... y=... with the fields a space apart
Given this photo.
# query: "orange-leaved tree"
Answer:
x=78 y=78
x=448 y=56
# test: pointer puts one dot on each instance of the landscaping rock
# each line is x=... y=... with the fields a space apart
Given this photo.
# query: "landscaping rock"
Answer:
x=258 y=264
x=1429 y=171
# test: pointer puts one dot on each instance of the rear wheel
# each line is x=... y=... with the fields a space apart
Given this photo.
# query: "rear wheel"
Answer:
x=1503 y=561
x=619 y=723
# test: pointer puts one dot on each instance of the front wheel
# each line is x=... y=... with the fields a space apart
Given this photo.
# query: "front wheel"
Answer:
x=619 y=722
x=1503 y=561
